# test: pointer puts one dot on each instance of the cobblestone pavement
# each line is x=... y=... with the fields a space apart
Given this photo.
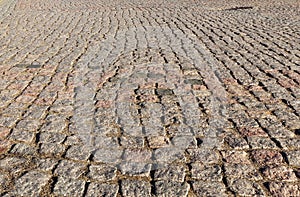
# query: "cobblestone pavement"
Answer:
x=150 y=98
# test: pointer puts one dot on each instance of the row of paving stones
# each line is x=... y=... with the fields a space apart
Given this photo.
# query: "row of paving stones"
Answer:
x=149 y=99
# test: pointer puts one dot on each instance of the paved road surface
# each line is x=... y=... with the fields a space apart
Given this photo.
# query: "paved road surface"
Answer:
x=149 y=98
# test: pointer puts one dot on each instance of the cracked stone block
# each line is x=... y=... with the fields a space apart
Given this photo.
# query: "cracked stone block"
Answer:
x=170 y=172
x=279 y=189
x=294 y=158
x=135 y=188
x=280 y=173
x=246 y=171
x=206 y=173
x=168 y=188
x=98 y=189
x=206 y=188
x=68 y=187
x=31 y=183
x=70 y=169
x=78 y=152
x=102 y=172
x=245 y=187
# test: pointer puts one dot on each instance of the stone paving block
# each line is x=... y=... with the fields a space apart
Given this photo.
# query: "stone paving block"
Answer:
x=132 y=142
x=69 y=169
x=22 y=136
x=266 y=157
x=245 y=171
x=284 y=189
x=158 y=141
x=23 y=149
x=45 y=164
x=135 y=188
x=172 y=172
x=141 y=169
x=119 y=98
x=69 y=187
x=290 y=143
x=206 y=173
x=52 y=149
x=31 y=183
x=280 y=173
x=169 y=155
x=235 y=157
x=207 y=188
x=294 y=158
x=261 y=143
x=4 y=181
x=110 y=155
x=79 y=152
x=205 y=156
x=245 y=187
x=169 y=188
x=97 y=189
x=102 y=172
x=48 y=137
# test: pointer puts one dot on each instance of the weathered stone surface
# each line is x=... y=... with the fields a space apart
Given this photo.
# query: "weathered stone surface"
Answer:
x=70 y=187
x=206 y=173
x=209 y=188
x=135 y=188
x=70 y=169
x=245 y=187
x=294 y=158
x=31 y=183
x=175 y=172
x=169 y=188
x=149 y=98
x=102 y=189
x=102 y=172
x=284 y=189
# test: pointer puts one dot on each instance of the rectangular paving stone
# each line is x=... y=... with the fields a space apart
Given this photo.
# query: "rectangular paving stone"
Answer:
x=70 y=187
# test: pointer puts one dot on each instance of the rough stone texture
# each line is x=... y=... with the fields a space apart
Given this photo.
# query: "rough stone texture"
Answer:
x=149 y=98
x=31 y=183
x=69 y=187
x=96 y=189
